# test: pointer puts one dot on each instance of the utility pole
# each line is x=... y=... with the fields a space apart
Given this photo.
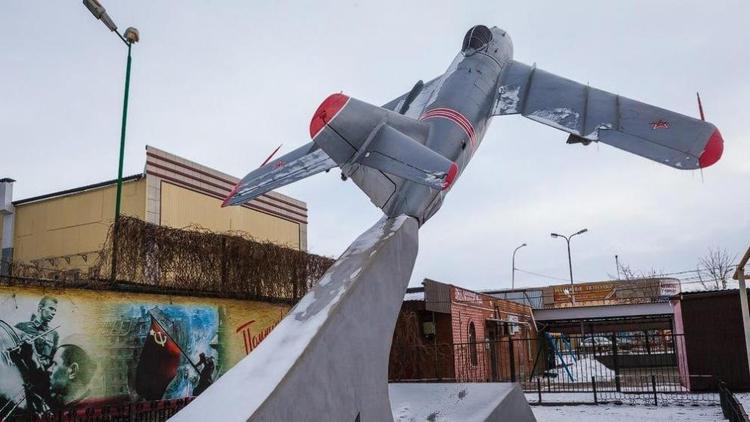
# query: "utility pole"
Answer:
x=617 y=264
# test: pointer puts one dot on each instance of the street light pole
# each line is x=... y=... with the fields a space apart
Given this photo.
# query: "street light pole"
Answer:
x=513 y=274
x=130 y=37
x=570 y=261
x=118 y=196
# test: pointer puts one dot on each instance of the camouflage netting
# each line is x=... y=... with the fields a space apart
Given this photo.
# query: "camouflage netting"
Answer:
x=198 y=260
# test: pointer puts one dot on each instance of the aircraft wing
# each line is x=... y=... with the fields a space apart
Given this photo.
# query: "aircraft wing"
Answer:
x=590 y=114
x=304 y=161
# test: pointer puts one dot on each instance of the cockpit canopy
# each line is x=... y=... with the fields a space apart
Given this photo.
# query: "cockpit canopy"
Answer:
x=476 y=39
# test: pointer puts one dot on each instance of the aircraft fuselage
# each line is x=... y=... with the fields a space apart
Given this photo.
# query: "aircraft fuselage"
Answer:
x=458 y=113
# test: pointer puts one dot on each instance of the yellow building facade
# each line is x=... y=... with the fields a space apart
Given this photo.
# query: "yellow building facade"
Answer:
x=66 y=230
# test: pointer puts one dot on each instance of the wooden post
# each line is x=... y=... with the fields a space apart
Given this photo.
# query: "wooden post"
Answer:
x=739 y=275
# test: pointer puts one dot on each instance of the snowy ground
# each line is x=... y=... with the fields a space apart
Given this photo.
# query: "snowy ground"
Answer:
x=613 y=413
x=533 y=398
x=744 y=399
x=581 y=370
x=446 y=402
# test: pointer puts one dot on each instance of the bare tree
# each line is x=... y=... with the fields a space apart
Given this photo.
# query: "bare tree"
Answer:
x=628 y=273
x=718 y=265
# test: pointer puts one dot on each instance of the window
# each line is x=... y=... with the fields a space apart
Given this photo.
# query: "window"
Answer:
x=473 y=344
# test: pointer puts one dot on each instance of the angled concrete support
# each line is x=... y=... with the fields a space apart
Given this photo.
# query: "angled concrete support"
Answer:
x=328 y=359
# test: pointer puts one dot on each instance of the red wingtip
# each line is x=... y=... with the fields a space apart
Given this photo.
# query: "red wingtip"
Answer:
x=326 y=111
x=713 y=150
x=231 y=194
x=451 y=176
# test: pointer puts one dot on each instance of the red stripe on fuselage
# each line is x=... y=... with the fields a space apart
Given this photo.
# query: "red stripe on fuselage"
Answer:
x=459 y=118
x=456 y=118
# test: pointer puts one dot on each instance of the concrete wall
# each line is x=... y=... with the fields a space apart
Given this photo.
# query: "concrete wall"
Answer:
x=113 y=330
x=274 y=217
x=67 y=231
x=181 y=207
x=72 y=226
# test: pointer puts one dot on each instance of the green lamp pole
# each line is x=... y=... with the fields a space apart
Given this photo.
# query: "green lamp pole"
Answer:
x=130 y=37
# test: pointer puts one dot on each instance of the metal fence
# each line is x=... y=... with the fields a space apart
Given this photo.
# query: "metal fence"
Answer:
x=151 y=411
x=730 y=406
x=635 y=368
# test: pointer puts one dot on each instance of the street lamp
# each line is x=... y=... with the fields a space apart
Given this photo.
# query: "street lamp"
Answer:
x=130 y=37
x=570 y=263
x=513 y=274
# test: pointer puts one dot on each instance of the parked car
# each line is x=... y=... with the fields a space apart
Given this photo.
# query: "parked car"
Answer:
x=598 y=344
x=628 y=342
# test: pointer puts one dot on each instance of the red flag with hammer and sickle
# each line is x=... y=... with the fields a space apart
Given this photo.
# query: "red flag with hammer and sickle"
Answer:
x=158 y=364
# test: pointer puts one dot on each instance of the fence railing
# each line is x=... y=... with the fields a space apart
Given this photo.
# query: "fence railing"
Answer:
x=730 y=406
x=146 y=411
x=613 y=367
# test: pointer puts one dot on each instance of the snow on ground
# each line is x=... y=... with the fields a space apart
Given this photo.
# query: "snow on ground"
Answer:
x=614 y=413
x=445 y=402
x=533 y=398
x=582 y=370
x=744 y=399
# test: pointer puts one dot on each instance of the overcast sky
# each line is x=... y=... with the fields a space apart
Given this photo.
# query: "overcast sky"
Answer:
x=223 y=83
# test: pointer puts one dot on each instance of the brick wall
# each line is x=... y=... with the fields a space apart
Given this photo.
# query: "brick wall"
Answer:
x=490 y=358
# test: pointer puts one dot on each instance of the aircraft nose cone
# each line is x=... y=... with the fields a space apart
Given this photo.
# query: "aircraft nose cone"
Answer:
x=326 y=112
x=712 y=152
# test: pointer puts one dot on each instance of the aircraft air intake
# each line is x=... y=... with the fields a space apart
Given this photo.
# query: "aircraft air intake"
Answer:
x=476 y=39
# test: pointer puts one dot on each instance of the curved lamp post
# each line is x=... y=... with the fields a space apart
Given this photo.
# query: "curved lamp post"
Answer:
x=513 y=274
x=570 y=263
x=130 y=37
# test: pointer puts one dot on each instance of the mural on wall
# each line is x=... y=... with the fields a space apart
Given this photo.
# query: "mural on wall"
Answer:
x=77 y=348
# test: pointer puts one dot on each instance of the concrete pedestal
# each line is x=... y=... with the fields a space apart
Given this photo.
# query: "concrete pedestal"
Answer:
x=328 y=359
x=466 y=402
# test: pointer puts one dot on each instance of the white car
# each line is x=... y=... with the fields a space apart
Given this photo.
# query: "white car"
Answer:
x=596 y=343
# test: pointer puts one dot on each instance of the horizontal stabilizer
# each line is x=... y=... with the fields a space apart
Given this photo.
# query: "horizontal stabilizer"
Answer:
x=304 y=161
x=592 y=114
x=395 y=153
x=354 y=134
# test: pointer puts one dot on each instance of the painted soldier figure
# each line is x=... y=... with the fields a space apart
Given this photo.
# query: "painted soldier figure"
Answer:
x=206 y=373
x=45 y=340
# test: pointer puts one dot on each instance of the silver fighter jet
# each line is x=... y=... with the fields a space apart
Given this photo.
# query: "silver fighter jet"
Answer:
x=406 y=154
